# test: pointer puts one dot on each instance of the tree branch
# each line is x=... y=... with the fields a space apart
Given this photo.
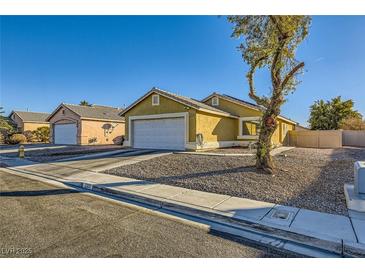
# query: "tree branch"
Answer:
x=277 y=25
x=291 y=74
x=282 y=39
x=258 y=99
x=275 y=71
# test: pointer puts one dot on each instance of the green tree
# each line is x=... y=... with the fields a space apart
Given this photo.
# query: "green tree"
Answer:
x=85 y=103
x=330 y=114
x=353 y=123
x=270 y=42
x=6 y=123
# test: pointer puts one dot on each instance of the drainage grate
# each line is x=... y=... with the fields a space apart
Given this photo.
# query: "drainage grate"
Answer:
x=280 y=214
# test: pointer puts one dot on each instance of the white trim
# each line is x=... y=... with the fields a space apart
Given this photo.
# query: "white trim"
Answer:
x=248 y=119
x=253 y=118
x=184 y=115
x=158 y=99
x=248 y=137
x=126 y=143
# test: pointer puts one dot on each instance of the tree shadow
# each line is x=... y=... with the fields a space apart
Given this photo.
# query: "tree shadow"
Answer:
x=201 y=174
x=325 y=192
x=45 y=192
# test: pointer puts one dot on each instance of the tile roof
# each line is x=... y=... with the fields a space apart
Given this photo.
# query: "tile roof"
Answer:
x=189 y=101
x=240 y=101
x=182 y=99
x=28 y=116
x=245 y=103
x=96 y=112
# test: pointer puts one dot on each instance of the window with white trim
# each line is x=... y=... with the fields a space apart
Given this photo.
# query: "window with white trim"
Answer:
x=155 y=100
x=215 y=101
x=248 y=128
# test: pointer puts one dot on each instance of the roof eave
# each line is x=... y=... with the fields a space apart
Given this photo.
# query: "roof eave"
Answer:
x=217 y=113
x=161 y=92
x=57 y=109
x=100 y=119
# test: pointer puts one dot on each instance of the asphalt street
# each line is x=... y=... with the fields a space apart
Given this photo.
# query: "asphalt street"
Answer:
x=40 y=220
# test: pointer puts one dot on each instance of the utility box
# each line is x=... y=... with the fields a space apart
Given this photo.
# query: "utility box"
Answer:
x=359 y=169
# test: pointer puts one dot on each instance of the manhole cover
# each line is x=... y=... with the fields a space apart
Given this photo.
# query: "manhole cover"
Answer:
x=280 y=214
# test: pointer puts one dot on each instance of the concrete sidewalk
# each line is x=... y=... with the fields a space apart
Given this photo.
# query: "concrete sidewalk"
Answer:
x=29 y=147
x=341 y=235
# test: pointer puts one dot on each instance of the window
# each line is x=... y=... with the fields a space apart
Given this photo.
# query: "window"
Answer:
x=248 y=128
x=155 y=100
x=63 y=112
x=215 y=101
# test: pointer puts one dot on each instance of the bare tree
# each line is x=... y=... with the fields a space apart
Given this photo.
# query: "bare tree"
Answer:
x=270 y=42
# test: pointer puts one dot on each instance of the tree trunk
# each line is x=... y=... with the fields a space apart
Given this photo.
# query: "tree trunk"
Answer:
x=268 y=126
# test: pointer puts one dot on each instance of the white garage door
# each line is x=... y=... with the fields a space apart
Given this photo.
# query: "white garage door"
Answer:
x=166 y=133
x=65 y=134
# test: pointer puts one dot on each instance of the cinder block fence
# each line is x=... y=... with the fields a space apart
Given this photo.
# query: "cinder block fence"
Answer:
x=327 y=138
x=353 y=138
x=316 y=138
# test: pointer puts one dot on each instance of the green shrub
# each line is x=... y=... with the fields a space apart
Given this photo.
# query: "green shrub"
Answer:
x=2 y=138
x=8 y=124
x=29 y=135
x=41 y=134
x=17 y=138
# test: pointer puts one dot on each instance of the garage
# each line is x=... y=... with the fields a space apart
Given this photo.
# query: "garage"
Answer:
x=65 y=134
x=86 y=125
x=167 y=133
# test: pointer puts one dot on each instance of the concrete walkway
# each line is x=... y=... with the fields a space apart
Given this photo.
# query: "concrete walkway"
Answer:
x=29 y=147
x=335 y=233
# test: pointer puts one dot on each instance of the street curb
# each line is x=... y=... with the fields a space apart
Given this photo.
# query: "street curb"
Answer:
x=215 y=154
x=343 y=249
x=261 y=234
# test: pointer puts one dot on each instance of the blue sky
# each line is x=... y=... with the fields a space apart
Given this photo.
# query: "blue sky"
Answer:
x=113 y=60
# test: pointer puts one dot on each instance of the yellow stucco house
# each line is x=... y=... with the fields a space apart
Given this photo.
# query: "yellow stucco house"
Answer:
x=164 y=120
x=249 y=116
x=86 y=125
x=29 y=121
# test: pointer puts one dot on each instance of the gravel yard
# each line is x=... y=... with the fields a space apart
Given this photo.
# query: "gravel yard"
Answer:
x=308 y=178
x=47 y=155
x=233 y=150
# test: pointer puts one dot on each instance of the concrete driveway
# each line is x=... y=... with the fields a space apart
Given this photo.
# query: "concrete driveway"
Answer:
x=38 y=220
x=103 y=161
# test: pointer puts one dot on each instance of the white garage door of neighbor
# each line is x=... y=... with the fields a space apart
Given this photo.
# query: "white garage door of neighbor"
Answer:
x=168 y=133
x=65 y=134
